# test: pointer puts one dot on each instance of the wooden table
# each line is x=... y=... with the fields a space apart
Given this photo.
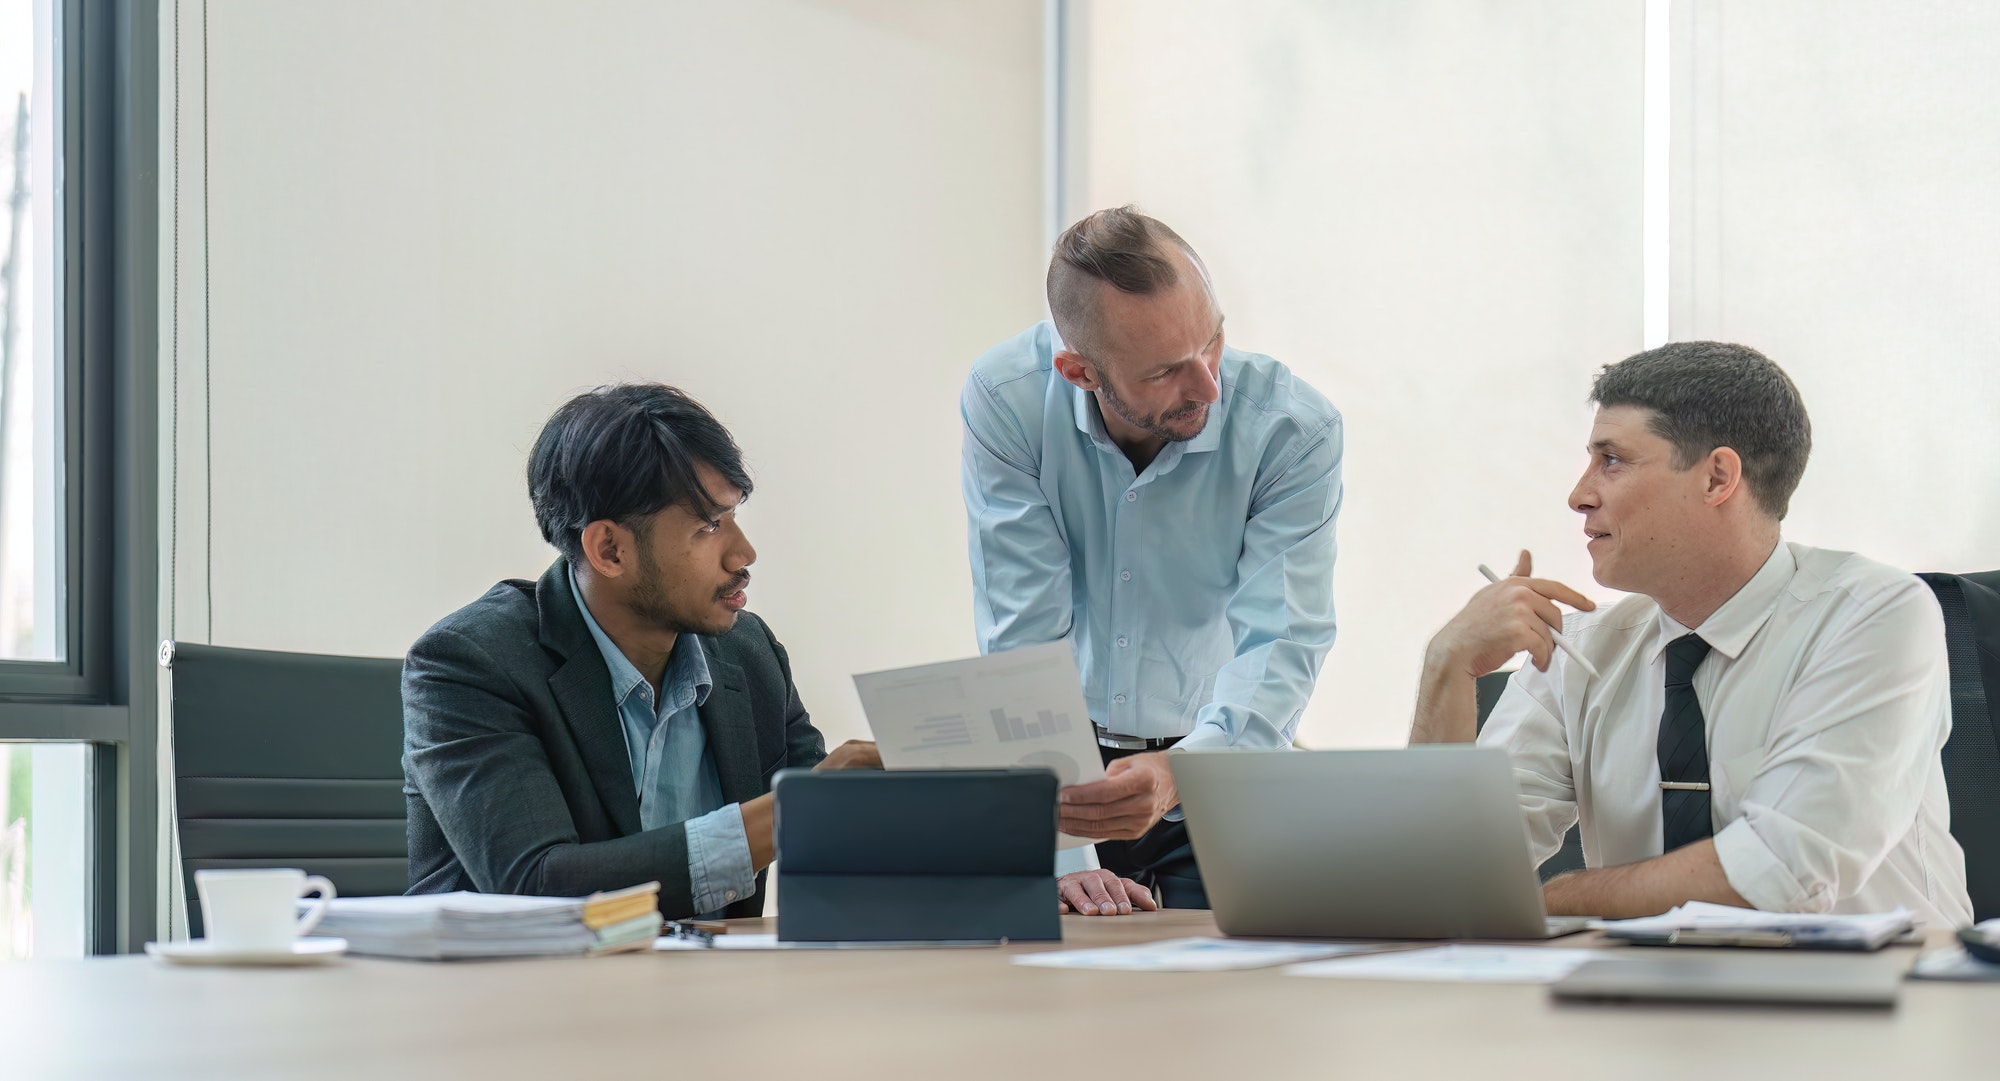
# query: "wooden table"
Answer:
x=950 y=1014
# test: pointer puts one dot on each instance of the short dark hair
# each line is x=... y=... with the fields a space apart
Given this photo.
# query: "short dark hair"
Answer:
x=625 y=453
x=1705 y=395
x=1119 y=246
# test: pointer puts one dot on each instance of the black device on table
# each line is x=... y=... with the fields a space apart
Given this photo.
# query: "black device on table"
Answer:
x=917 y=855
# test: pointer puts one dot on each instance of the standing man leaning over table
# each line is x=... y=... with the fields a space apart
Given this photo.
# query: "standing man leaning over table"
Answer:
x=1166 y=504
x=618 y=721
x=1767 y=726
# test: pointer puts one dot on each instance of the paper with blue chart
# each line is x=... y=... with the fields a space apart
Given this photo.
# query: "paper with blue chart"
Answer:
x=1019 y=708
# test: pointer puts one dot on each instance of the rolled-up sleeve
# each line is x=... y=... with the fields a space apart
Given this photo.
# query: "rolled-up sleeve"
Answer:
x=1020 y=559
x=1281 y=612
x=1843 y=779
x=1527 y=723
x=719 y=870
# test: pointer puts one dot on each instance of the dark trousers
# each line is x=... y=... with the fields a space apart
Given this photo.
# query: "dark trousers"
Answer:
x=1161 y=859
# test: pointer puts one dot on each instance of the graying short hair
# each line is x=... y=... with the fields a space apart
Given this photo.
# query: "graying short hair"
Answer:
x=1131 y=252
x=1704 y=395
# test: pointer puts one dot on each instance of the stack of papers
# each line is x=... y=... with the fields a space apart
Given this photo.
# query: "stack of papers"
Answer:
x=627 y=919
x=458 y=926
x=1699 y=923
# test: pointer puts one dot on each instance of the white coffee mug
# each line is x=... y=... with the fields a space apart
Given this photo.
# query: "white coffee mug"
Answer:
x=255 y=910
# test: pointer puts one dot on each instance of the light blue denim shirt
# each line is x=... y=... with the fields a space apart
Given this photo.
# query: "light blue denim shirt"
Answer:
x=1198 y=594
x=671 y=766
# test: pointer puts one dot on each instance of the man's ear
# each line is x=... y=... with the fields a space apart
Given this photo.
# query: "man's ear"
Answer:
x=1078 y=371
x=1723 y=476
x=607 y=547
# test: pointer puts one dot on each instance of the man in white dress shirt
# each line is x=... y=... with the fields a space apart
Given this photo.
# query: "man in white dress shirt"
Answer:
x=1767 y=726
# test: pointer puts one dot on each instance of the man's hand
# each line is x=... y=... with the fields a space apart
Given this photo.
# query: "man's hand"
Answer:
x=1101 y=893
x=1511 y=615
x=1135 y=792
x=854 y=754
x=1514 y=614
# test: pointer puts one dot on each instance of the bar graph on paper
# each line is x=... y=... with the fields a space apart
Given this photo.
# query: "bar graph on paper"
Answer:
x=1046 y=723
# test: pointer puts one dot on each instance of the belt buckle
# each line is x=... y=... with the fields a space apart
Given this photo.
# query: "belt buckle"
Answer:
x=1120 y=743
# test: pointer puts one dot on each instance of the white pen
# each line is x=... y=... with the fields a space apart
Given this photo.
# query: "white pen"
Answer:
x=1581 y=661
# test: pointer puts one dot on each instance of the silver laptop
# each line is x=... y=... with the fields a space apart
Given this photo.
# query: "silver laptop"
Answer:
x=1425 y=842
x=1779 y=976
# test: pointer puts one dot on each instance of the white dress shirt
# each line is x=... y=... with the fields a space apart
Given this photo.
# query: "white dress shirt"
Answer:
x=1827 y=701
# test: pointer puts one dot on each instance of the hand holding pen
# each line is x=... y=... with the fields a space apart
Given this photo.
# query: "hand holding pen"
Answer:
x=1514 y=614
x=1522 y=567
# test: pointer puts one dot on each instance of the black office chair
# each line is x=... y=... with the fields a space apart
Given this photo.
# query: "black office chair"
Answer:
x=1971 y=604
x=1570 y=856
x=289 y=760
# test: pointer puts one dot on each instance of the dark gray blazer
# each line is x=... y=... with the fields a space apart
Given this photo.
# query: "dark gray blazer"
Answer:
x=514 y=761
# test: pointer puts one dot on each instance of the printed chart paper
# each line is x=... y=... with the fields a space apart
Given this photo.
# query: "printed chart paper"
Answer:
x=1019 y=708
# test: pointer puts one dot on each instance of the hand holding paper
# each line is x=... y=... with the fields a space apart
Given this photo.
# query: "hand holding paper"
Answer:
x=1135 y=792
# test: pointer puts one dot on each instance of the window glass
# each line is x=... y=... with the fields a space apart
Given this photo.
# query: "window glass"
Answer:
x=31 y=497
x=42 y=820
x=1430 y=211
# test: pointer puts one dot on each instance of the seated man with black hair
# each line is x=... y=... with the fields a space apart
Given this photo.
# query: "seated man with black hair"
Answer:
x=1764 y=725
x=618 y=721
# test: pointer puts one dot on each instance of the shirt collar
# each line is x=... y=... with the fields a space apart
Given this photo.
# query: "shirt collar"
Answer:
x=687 y=667
x=1731 y=627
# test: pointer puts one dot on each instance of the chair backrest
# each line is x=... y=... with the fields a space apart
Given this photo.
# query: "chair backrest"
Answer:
x=289 y=760
x=1971 y=605
x=1570 y=856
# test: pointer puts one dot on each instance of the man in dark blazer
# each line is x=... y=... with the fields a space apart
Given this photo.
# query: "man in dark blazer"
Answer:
x=618 y=721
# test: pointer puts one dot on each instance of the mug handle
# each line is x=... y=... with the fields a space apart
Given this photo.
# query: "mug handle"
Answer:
x=326 y=895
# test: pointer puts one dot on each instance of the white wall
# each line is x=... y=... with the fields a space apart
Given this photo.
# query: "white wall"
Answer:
x=1839 y=208
x=1431 y=211
x=430 y=223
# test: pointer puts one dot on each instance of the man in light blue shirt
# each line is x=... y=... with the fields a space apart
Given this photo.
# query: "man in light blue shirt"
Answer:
x=1164 y=503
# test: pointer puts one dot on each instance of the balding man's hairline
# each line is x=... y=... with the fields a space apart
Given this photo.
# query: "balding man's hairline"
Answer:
x=1118 y=247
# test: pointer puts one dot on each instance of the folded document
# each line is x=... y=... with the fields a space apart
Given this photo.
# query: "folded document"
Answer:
x=1699 y=923
x=456 y=926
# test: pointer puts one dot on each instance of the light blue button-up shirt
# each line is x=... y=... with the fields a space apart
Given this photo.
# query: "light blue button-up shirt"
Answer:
x=1198 y=594
x=671 y=767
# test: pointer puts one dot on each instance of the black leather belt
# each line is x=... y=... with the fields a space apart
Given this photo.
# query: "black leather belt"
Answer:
x=1132 y=743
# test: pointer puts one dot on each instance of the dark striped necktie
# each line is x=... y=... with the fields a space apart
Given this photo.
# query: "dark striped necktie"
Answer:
x=1684 y=816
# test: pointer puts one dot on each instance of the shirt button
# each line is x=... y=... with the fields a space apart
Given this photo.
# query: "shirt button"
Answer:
x=1121 y=640
x=729 y=895
x=1124 y=576
x=1131 y=497
x=1120 y=699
